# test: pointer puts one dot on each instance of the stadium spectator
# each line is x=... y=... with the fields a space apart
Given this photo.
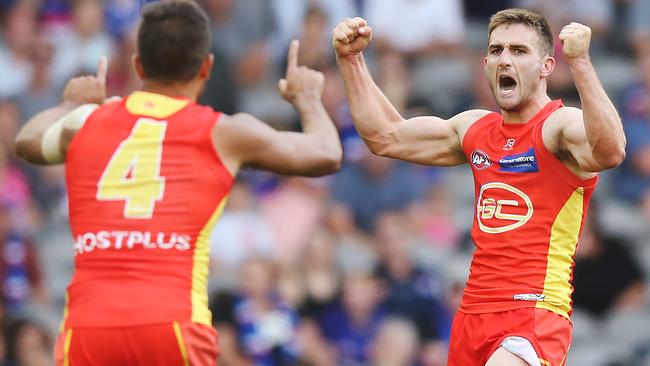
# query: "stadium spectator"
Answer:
x=318 y=275
x=42 y=92
x=241 y=233
x=266 y=326
x=18 y=31
x=396 y=344
x=607 y=276
x=123 y=79
x=432 y=219
x=28 y=343
x=412 y=292
x=292 y=210
x=14 y=189
x=639 y=24
x=351 y=323
x=374 y=186
x=428 y=48
x=78 y=46
x=633 y=177
x=21 y=280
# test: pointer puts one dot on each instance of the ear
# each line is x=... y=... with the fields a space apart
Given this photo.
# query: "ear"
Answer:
x=206 y=67
x=137 y=65
x=548 y=66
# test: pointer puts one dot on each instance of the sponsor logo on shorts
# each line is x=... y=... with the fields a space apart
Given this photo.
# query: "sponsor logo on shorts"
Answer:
x=520 y=163
x=502 y=207
x=129 y=240
x=480 y=160
x=529 y=297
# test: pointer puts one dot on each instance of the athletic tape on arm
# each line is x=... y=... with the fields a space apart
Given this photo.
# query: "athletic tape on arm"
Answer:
x=51 y=140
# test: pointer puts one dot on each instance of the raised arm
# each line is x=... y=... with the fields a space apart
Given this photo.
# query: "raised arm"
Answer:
x=45 y=137
x=594 y=137
x=243 y=140
x=424 y=140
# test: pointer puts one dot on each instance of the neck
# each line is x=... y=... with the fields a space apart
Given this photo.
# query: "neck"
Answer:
x=525 y=112
x=189 y=90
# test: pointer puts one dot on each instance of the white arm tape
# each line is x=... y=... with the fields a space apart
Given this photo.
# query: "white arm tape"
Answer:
x=73 y=120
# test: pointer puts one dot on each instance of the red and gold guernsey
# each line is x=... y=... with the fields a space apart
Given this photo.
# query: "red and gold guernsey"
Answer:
x=145 y=189
x=529 y=211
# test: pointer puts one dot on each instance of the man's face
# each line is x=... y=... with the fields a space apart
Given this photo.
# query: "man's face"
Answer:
x=515 y=65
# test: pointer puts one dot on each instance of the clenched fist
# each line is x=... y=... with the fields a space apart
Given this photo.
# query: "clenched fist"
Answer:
x=351 y=36
x=575 y=39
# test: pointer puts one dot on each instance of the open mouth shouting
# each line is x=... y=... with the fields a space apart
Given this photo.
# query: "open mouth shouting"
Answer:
x=507 y=84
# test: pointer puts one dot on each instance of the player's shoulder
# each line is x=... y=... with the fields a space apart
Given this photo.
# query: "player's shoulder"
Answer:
x=473 y=114
x=469 y=117
x=108 y=109
x=464 y=120
x=240 y=128
x=558 y=124
x=237 y=122
x=560 y=119
x=564 y=115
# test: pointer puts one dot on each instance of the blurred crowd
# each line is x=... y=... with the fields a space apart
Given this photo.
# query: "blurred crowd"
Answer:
x=364 y=267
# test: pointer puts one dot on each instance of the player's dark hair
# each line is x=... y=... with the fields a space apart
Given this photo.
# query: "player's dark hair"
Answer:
x=526 y=17
x=173 y=40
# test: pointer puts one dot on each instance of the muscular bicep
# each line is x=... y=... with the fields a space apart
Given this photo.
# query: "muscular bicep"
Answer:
x=430 y=140
x=573 y=147
x=243 y=140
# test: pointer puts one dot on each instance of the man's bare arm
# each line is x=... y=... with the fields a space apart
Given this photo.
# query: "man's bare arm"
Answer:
x=244 y=140
x=425 y=140
x=29 y=141
x=45 y=137
x=595 y=136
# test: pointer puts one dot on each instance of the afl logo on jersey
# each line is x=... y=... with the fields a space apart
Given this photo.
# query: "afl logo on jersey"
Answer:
x=480 y=160
x=502 y=207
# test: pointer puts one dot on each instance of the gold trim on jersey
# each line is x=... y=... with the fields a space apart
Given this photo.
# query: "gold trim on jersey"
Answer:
x=66 y=347
x=181 y=343
x=153 y=105
x=66 y=309
x=562 y=247
x=200 y=312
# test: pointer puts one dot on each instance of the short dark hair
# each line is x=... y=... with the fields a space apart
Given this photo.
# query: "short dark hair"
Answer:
x=173 y=40
x=526 y=17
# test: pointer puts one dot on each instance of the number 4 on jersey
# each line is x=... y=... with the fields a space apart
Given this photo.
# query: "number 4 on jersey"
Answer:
x=133 y=173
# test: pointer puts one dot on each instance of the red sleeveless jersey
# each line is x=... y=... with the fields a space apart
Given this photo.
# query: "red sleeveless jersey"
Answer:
x=145 y=189
x=529 y=211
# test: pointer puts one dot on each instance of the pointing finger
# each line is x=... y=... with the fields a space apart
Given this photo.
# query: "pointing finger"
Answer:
x=102 y=69
x=292 y=57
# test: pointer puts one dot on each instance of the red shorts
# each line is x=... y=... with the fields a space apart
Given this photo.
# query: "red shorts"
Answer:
x=475 y=337
x=179 y=344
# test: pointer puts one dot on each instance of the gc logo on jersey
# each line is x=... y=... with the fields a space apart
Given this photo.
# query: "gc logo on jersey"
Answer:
x=480 y=160
x=502 y=207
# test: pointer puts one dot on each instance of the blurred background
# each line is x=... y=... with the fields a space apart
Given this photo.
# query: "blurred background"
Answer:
x=364 y=267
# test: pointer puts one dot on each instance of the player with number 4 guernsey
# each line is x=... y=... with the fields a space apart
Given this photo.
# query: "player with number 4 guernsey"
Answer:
x=148 y=176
